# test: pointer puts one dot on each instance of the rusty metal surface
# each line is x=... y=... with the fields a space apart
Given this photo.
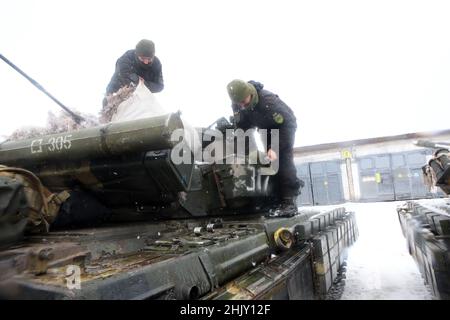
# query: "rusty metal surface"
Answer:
x=268 y=279
x=233 y=258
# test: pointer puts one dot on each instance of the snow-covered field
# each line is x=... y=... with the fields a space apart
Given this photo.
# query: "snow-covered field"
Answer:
x=379 y=265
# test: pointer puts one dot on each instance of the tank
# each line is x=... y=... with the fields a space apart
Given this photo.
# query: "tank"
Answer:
x=139 y=224
x=426 y=223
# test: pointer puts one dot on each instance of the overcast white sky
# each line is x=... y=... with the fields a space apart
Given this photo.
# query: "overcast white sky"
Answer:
x=348 y=69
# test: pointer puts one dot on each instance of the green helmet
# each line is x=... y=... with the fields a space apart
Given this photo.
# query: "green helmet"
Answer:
x=238 y=90
x=145 y=48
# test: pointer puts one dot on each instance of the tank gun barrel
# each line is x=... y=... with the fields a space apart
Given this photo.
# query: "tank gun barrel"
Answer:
x=432 y=145
x=111 y=139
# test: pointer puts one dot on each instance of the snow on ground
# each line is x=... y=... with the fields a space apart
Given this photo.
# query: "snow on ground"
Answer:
x=379 y=266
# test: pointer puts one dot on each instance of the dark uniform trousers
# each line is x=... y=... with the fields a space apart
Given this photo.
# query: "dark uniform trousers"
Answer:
x=287 y=173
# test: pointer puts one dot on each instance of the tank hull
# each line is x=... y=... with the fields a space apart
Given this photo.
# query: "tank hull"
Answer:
x=234 y=258
x=426 y=227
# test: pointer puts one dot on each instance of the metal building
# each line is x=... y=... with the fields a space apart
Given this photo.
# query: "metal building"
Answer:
x=376 y=169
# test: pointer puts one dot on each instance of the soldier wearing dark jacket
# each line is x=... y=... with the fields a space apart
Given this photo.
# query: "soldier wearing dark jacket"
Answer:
x=135 y=65
x=255 y=107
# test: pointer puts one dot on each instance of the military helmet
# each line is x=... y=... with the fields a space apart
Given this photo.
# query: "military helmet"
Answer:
x=238 y=90
x=145 y=48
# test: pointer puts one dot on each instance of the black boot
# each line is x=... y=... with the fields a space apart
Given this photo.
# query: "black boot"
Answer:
x=287 y=208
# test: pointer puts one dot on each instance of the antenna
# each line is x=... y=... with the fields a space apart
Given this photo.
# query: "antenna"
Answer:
x=77 y=118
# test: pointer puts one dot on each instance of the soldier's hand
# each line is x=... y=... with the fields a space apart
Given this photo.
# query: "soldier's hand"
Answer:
x=272 y=155
x=134 y=79
x=222 y=124
x=104 y=102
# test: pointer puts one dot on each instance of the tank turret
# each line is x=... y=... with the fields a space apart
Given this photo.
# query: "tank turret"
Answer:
x=129 y=167
x=437 y=171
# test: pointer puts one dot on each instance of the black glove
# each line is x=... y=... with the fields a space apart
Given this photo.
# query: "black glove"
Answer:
x=223 y=124
x=104 y=102
x=134 y=78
